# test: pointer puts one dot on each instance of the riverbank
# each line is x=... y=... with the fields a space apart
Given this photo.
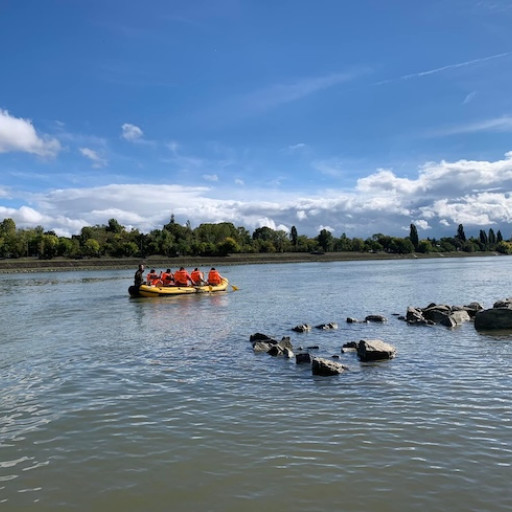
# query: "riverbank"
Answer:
x=159 y=262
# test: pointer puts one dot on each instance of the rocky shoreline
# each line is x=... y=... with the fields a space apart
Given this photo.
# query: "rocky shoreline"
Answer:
x=56 y=264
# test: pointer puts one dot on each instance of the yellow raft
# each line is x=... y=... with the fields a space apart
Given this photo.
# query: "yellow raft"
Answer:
x=145 y=290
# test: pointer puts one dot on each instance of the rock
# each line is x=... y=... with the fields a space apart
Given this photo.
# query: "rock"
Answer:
x=259 y=337
x=376 y=318
x=350 y=346
x=302 y=328
x=325 y=367
x=351 y=320
x=263 y=346
x=275 y=348
x=326 y=327
x=374 y=350
x=455 y=319
x=313 y=347
x=472 y=308
x=505 y=303
x=303 y=358
x=494 y=319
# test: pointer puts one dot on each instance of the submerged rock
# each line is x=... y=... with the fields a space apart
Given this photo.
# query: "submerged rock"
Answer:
x=327 y=327
x=302 y=328
x=376 y=318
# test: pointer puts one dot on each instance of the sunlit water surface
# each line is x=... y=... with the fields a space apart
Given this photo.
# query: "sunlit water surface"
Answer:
x=111 y=403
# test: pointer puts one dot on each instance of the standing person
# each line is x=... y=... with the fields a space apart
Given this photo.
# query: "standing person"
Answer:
x=138 y=279
x=197 y=277
x=167 y=277
x=214 y=278
x=182 y=277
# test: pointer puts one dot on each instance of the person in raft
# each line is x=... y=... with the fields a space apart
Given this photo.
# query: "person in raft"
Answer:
x=214 y=278
x=167 y=278
x=182 y=277
x=152 y=278
x=139 y=276
x=197 y=277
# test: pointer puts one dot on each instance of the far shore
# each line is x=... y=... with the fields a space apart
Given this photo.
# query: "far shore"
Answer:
x=160 y=262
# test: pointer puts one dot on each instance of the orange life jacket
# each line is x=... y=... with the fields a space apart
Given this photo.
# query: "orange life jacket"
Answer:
x=197 y=276
x=181 y=278
x=152 y=277
x=214 y=277
x=166 y=278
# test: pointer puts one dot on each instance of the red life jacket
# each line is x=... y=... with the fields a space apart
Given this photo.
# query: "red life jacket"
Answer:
x=214 y=277
x=197 y=276
x=181 y=278
x=152 y=277
x=166 y=278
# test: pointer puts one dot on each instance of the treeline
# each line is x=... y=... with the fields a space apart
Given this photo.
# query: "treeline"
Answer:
x=221 y=239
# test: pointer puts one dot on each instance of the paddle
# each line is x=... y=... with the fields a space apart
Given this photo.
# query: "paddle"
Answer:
x=235 y=288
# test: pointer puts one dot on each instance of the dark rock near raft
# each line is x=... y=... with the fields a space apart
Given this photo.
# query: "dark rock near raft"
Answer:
x=303 y=358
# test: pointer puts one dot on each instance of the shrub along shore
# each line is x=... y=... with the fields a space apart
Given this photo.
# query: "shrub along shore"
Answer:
x=159 y=262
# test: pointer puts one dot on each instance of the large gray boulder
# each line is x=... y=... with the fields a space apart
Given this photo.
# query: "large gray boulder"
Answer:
x=494 y=319
x=326 y=368
x=375 y=350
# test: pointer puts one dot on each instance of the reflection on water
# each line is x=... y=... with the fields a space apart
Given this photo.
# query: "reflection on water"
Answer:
x=113 y=403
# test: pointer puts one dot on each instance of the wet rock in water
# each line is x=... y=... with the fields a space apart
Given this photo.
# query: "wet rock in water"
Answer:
x=374 y=350
x=279 y=348
x=455 y=318
x=449 y=316
x=325 y=367
x=258 y=336
x=494 y=319
x=327 y=327
x=303 y=358
x=503 y=303
x=302 y=328
x=263 y=346
x=313 y=347
x=351 y=320
x=376 y=318
x=350 y=346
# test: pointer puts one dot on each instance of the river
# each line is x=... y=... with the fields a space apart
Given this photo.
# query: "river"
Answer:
x=116 y=404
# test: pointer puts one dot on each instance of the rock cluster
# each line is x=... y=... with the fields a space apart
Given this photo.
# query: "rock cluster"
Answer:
x=449 y=316
x=367 y=350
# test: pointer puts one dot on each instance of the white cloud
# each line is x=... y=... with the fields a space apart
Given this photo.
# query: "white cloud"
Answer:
x=497 y=125
x=210 y=177
x=17 y=134
x=240 y=182
x=97 y=160
x=440 y=196
x=131 y=132
x=469 y=97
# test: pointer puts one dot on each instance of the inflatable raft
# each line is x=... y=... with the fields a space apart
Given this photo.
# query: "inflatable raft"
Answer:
x=145 y=290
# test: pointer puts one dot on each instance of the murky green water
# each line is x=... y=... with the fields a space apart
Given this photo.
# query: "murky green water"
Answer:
x=110 y=403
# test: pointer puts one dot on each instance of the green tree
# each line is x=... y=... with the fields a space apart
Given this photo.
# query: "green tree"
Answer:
x=293 y=236
x=91 y=247
x=461 y=236
x=325 y=240
x=413 y=236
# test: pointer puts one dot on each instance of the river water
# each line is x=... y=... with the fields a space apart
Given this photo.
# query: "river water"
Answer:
x=117 y=404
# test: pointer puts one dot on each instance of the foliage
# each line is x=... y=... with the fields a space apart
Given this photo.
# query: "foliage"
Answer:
x=221 y=239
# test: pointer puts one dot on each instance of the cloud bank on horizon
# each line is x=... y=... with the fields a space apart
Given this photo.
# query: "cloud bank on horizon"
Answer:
x=339 y=125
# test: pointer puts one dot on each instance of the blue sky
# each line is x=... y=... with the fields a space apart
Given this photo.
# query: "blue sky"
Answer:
x=358 y=117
